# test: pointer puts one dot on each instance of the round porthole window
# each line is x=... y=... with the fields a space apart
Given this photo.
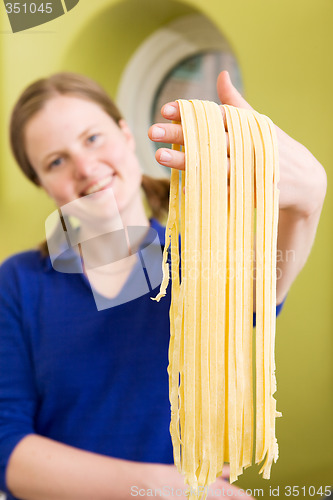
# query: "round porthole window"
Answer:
x=180 y=61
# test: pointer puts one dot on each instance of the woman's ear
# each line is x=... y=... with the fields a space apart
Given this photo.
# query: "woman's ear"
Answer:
x=128 y=134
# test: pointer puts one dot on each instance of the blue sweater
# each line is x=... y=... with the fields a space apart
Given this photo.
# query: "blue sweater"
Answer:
x=93 y=379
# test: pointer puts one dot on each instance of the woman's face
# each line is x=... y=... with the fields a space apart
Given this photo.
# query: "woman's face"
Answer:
x=77 y=149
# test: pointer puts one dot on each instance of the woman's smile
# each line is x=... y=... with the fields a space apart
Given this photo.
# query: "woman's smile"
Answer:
x=99 y=185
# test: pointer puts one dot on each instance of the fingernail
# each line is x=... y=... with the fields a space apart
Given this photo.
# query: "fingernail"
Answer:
x=169 y=110
x=165 y=156
x=157 y=133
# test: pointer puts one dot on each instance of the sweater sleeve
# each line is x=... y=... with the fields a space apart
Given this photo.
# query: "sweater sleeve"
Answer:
x=18 y=395
x=278 y=310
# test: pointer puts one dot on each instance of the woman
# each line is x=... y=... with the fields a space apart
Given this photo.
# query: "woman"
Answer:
x=83 y=393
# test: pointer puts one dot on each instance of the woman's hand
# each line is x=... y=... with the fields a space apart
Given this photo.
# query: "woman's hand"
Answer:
x=302 y=185
x=302 y=178
x=169 y=482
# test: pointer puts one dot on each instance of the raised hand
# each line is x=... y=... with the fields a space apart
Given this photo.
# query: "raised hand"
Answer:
x=302 y=184
x=302 y=179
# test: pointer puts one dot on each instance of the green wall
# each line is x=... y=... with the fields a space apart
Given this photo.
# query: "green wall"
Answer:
x=284 y=50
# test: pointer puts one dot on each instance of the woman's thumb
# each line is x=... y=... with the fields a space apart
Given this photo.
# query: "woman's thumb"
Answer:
x=228 y=94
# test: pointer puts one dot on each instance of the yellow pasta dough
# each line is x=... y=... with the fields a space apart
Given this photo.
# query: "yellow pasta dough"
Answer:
x=210 y=368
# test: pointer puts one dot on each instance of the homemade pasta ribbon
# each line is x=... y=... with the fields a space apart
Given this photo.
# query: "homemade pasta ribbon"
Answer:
x=211 y=385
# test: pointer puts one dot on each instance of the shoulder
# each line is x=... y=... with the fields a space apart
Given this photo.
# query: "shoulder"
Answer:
x=160 y=230
x=30 y=258
x=23 y=263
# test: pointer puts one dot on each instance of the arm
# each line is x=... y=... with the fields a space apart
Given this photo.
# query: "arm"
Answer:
x=302 y=186
x=302 y=192
x=41 y=468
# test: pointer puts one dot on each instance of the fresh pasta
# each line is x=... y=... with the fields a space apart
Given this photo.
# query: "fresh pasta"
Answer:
x=211 y=386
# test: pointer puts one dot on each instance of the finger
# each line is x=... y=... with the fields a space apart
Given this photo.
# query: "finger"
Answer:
x=171 y=111
x=228 y=94
x=161 y=132
x=226 y=471
x=176 y=159
x=171 y=133
x=170 y=158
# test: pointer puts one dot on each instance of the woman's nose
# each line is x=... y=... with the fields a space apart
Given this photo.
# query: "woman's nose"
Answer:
x=83 y=165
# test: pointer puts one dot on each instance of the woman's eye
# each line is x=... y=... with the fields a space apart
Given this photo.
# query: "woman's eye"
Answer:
x=93 y=138
x=55 y=163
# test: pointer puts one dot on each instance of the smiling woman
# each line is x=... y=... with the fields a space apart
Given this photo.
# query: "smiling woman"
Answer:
x=79 y=386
